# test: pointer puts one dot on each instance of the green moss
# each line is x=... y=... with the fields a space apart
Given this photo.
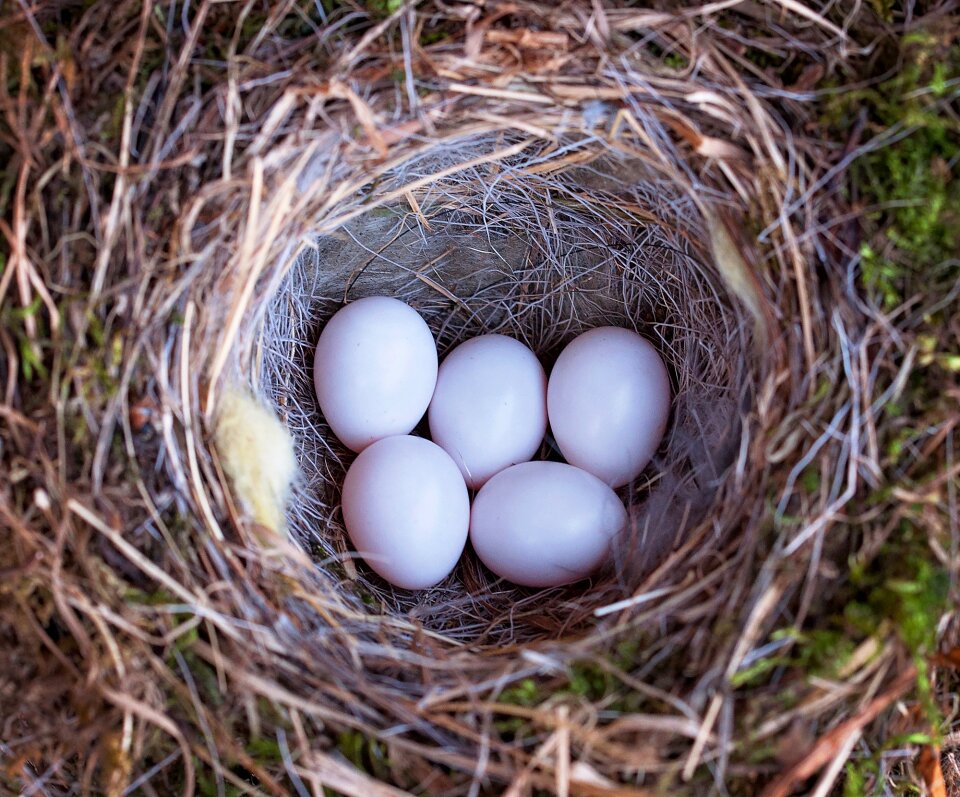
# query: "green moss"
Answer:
x=919 y=602
x=523 y=693
x=34 y=351
x=858 y=775
x=757 y=672
x=382 y=8
x=822 y=652
x=903 y=585
x=669 y=57
x=590 y=681
x=112 y=129
x=911 y=236
x=264 y=751
x=586 y=679
x=207 y=784
x=429 y=37
x=907 y=590
x=367 y=754
x=882 y=277
x=582 y=680
x=863 y=775
x=159 y=597
x=902 y=590
x=203 y=674
x=676 y=61
x=911 y=184
x=810 y=479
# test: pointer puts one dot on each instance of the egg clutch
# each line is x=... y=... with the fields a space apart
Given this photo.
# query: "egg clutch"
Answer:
x=406 y=500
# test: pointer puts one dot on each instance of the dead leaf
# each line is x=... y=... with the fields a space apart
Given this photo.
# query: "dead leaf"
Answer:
x=824 y=751
x=740 y=279
x=582 y=772
x=792 y=745
x=928 y=763
x=529 y=39
x=706 y=146
x=342 y=776
x=362 y=111
x=143 y=412
x=950 y=659
x=809 y=77
x=711 y=147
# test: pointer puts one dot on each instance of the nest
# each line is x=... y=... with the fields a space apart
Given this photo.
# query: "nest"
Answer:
x=536 y=213
x=536 y=171
x=540 y=240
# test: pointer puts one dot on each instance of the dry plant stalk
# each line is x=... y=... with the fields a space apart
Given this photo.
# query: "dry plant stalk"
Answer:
x=199 y=186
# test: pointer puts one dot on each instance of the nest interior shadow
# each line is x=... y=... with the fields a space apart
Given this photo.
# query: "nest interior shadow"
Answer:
x=539 y=246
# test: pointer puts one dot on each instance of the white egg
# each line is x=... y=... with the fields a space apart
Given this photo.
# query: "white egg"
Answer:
x=406 y=510
x=489 y=410
x=608 y=400
x=375 y=370
x=543 y=524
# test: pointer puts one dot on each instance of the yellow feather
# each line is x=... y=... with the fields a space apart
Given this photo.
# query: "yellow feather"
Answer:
x=257 y=454
x=736 y=273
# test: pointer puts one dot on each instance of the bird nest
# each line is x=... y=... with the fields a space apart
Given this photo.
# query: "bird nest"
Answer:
x=538 y=239
x=519 y=169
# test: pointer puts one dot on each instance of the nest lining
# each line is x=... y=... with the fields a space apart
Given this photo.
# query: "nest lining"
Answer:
x=541 y=250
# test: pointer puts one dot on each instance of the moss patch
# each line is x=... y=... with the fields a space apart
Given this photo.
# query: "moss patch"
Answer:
x=908 y=185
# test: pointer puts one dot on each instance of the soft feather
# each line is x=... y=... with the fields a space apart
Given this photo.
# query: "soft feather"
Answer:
x=257 y=454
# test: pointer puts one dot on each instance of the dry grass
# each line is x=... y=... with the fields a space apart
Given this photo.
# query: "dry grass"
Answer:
x=182 y=179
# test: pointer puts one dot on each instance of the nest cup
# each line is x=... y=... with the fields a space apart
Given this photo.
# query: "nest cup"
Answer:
x=538 y=240
x=530 y=220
